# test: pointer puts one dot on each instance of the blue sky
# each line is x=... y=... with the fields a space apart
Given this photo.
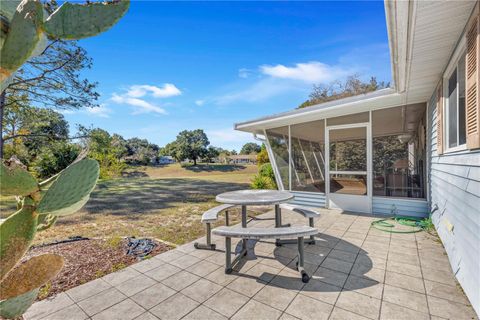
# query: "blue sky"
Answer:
x=170 y=66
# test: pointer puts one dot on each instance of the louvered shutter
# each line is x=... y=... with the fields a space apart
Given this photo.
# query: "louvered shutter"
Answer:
x=440 y=118
x=472 y=106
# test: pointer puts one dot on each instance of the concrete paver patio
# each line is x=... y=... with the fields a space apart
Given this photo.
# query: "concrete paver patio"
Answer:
x=357 y=273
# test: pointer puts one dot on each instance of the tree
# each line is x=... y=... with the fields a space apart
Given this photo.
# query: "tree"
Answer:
x=262 y=156
x=352 y=86
x=191 y=145
x=52 y=79
x=249 y=148
x=212 y=153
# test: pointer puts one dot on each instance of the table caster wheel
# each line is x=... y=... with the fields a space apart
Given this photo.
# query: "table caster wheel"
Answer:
x=305 y=277
x=296 y=265
x=228 y=271
x=195 y=245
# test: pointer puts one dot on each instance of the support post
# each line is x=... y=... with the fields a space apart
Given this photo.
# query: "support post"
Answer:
x=311 y=224
x=301 y=262
x=228 y=255
x=244 y=225
x=227 y=218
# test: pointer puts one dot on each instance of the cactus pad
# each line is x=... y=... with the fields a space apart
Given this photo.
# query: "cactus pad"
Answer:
x=77 y=21
x=22 y=37
x=46 y=221
x=16 y=306
x=71 y=189
x=7 y=9
x=15 y=180
x=17 y=232
x=31 y=274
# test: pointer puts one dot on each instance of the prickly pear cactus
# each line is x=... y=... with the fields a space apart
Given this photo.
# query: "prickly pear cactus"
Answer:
x=24 y=27
x=15 y=180
x=71 y=190
x=24 y=30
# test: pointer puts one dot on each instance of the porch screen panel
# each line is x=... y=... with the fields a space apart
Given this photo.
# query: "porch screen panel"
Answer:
x=308 y=156
x=399 y=151
x=278 y=140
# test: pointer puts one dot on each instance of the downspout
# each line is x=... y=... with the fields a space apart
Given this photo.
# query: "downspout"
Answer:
x=272 y=159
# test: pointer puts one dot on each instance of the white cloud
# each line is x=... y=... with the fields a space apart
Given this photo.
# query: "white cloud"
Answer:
x=102 y=111
x=310 y=72
x=141 y=106
x=199 y=102
x=244 y=73
x=165 y=91
x=136 y=96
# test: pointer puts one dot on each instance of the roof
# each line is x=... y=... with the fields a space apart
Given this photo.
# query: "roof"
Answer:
x=422 y=37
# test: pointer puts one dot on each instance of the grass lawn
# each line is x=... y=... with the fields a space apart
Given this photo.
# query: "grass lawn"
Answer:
x=161 y=202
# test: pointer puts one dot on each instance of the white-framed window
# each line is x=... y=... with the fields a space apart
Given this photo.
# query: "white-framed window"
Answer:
x=454 y=93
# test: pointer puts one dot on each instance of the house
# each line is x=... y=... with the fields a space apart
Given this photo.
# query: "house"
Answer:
x=412 y=149
x=166 y=160
x=242 y=159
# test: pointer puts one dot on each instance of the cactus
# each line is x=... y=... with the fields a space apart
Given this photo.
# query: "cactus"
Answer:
x=23 y=34
x=65 y=197
x=16 y=306
x=16 y=180
x=20 y=288
x=24 y=27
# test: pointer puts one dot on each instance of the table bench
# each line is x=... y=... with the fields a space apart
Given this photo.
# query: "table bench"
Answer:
x=307 y=212
x=297 y=232
x=208 y=217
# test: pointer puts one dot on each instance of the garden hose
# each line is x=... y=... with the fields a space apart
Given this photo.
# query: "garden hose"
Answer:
x=418 y=223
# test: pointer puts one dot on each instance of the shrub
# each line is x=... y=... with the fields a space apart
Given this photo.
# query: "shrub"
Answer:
x=266 y=170
x=262 y=157
x=260 y=182
x=53 y=159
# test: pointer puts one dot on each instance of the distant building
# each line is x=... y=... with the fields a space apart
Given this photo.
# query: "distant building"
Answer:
x=243 y=159
x=166 y=160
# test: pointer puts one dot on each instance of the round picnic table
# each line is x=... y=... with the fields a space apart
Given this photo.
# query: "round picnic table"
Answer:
x=246 y=198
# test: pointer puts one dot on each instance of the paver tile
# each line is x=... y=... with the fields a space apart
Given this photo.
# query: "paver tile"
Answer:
x=404 y=268
x=360 y=304
x=329 y=276
x=321 y=291
x=286 y=316
x=404 y=258
x=180 y=280
x=276 y=297
x=305 y=308
x=202 y=268
x=340 y=314
x=170 y=255
x=163 y=272
x=445 y=277
x=342 y=255
x=135 y=285
x=201 y=290
x=444 y=291
x=263 y=272
x=337 y=265
x=365 y=286
x=204 y=313
x=48 y=306
x=226 y=302
x=101 y=301
x=153 y=295
x=407 y=298
x=148 y=264
x=125 y=310
x=392 y=311
x=174 y=307
x=220 y=277
x=146 y=316
x=256 y=310
x=185 y=261
x=404 y=281
x=288 y=279
x=121 y=276
x=247 y=286
x=72 y=312
x=451 y=310
x=88 y=289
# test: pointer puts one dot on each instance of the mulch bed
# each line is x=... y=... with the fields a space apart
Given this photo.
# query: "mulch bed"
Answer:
x=86 y=260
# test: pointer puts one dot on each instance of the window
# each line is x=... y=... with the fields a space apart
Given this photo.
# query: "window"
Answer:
x=398 y=145
x=278 y=140
x=308 y=156
x=455 y=134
